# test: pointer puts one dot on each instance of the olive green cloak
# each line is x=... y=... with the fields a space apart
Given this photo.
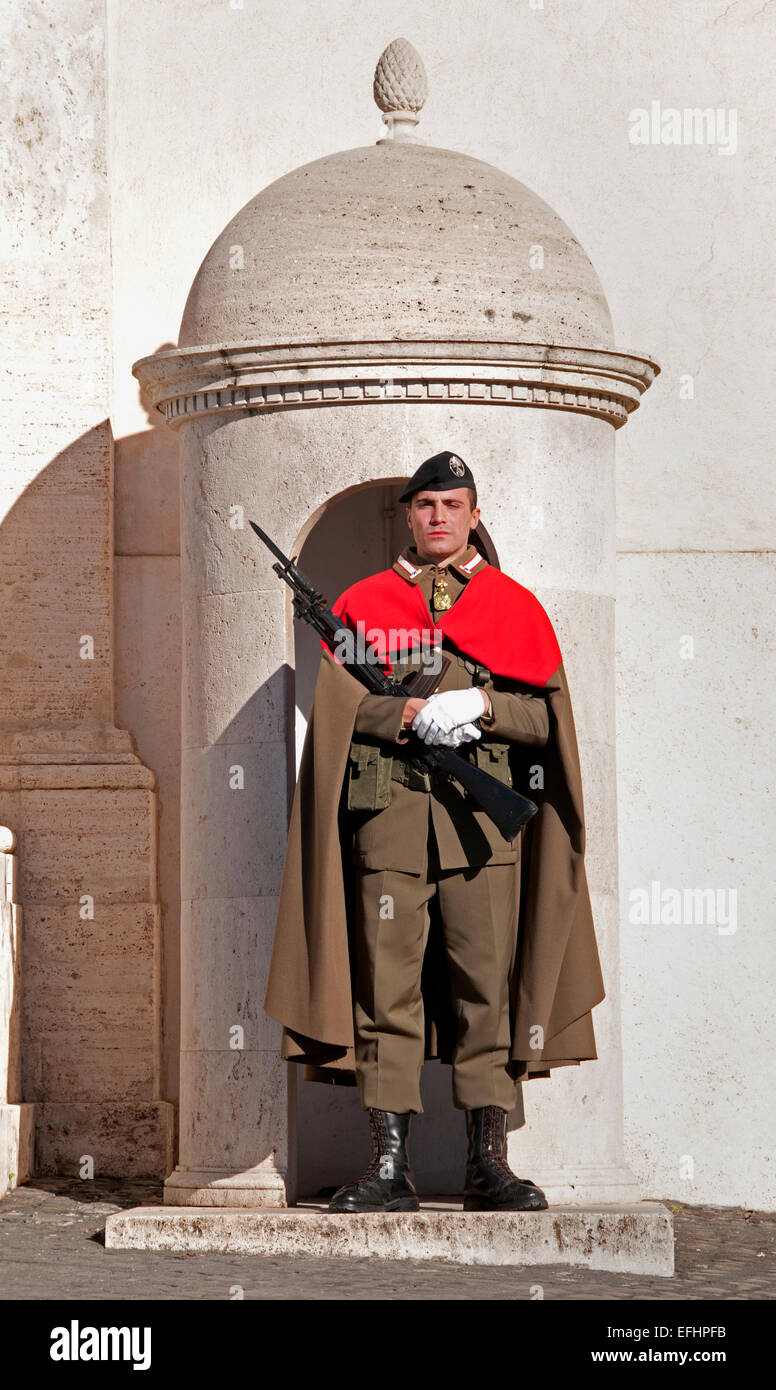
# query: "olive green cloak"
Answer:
x=555 y=974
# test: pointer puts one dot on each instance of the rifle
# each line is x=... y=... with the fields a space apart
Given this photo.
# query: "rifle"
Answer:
x=507 y=809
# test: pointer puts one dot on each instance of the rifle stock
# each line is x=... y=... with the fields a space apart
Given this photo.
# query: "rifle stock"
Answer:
x=508 y=810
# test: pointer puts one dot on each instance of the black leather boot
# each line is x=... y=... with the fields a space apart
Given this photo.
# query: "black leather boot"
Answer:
x=490 y=1184
x=386 y=1184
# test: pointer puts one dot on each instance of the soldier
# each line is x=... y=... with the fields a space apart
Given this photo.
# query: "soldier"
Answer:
x=413 y=847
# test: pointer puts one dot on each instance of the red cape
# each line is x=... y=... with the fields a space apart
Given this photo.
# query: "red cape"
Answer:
x=494 y=620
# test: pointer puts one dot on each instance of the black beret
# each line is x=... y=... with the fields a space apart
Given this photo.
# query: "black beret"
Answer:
x=438 y=474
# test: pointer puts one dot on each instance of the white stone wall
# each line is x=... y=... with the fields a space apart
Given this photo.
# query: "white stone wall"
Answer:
x=207 y=103
x=696 y=729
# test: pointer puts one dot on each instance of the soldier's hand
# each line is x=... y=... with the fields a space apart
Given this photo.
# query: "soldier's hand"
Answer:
x=449 y=710
x=464 y=733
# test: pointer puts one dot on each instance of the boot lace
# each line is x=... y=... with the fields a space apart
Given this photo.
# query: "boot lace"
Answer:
x=493 y=1139
x=380 y=1144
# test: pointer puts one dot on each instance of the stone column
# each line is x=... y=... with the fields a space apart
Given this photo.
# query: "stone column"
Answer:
x=235 y=787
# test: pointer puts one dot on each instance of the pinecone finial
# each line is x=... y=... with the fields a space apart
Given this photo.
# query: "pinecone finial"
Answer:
x=400 y=88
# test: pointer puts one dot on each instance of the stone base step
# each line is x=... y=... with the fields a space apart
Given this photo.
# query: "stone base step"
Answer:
x=625 y=1239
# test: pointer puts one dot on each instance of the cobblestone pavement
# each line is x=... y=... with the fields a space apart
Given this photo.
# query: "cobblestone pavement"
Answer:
x=51 y=1247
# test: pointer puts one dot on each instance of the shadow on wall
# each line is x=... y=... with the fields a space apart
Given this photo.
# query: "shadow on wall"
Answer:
x=91 y=649
x=147 y=669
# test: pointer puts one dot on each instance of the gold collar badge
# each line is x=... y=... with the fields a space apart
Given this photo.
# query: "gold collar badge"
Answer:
x=440 y=597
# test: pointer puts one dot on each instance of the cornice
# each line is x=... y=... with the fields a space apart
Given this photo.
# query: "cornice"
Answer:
x=191 y=383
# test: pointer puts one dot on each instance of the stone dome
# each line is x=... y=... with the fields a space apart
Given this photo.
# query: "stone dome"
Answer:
x=396 y=241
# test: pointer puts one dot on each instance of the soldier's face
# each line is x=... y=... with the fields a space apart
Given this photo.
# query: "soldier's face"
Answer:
x=440 y=522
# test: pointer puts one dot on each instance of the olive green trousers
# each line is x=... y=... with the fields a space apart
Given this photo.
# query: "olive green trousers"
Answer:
x=477 y=911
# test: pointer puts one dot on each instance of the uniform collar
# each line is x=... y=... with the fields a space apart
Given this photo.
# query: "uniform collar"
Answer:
x=410 y=566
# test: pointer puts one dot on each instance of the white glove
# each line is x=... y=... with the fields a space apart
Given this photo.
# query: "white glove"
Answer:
x=463 y=733
x=448 y=710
